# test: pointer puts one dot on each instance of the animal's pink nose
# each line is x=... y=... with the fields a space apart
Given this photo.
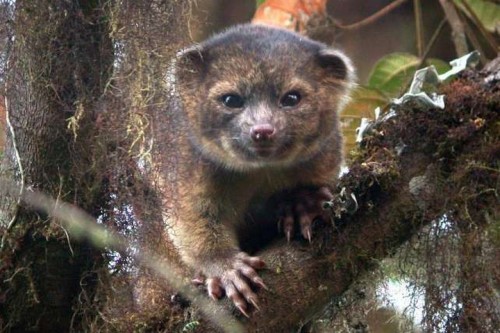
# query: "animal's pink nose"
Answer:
x=262 y=132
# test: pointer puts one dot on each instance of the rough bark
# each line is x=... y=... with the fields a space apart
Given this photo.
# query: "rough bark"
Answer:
x=57 y=69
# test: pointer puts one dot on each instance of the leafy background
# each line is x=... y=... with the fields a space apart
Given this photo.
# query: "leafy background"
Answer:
x=384 y=52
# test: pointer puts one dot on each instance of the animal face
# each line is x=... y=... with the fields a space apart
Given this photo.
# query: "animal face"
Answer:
x=261 y=97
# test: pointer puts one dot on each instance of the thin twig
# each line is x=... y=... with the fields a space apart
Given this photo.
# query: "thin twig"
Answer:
x=432 y=41
x=474 y=40
x=428 y=49
x=419 y=27
x=457 y=27
x=487 y=36
x=372 y=18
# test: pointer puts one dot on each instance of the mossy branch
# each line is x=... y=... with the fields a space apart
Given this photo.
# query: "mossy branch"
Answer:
x=397 y=192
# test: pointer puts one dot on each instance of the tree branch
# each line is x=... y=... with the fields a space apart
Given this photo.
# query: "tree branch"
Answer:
x=309 y=276
x=397 y=193
x=372 y=18
x=457 y=27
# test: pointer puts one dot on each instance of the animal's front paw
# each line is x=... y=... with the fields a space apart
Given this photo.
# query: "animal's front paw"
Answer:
x=234 y=275
x=303 y=206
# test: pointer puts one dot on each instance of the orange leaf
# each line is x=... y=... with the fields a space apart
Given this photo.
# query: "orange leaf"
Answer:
x=289 y=14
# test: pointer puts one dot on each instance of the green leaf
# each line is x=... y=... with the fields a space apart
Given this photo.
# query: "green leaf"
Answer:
x=392 y=74
x=260 y=2
x=362 y=105
x=486 y=11
x=363 y=101
x=441 y=66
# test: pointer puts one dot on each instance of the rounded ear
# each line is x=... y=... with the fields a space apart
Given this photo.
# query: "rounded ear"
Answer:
x=190 y=63
x=336 y=64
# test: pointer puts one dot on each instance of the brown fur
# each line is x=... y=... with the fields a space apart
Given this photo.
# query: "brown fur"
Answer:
x=222 y=178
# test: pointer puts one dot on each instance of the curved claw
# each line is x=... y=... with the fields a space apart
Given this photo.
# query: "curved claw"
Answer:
x=214 y=288
x=197 y=281
x=254 y=303
x=235 y=279
x=303 y=207
x=243 y=310
x=307 y=234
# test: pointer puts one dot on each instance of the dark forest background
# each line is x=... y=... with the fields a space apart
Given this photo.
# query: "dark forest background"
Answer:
x=83 y=82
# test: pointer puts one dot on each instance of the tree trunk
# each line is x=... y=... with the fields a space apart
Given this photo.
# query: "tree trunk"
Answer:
x=58 y=66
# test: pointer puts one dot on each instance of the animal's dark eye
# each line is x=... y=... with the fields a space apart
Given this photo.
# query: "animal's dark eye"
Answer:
x=232 y=101
x=290 y=99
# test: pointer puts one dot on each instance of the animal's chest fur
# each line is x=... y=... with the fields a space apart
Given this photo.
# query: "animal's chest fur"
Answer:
x=247 y=204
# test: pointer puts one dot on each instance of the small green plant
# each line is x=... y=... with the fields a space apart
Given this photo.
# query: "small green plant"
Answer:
x=191 y=326
x=392 y=74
